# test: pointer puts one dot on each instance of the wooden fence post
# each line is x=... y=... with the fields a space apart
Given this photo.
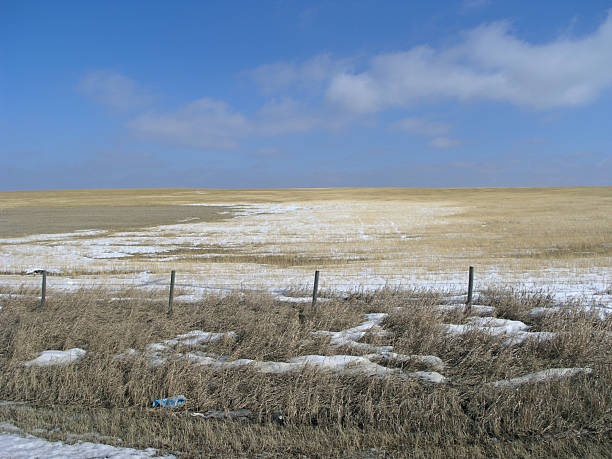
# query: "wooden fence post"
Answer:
x=468 y=303
x=172 y=275
x=44 y=289
x=315 y=290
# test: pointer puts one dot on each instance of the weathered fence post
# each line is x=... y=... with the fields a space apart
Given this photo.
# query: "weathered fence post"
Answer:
x=172 y=275
x=316 y=289
x=468 y=303
x=44 y=289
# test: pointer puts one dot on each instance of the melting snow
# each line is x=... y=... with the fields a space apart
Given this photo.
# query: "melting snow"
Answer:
x=18 y=445
x=550 y=374
x=304 y=299
x=514 y=329
x=351 y=336
x=158 y=354
x=47 y=358
x=340 y=364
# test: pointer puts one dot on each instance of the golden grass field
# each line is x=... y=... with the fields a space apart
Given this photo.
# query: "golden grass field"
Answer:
x=324 y=414
x=355 y=236
x=400 y=252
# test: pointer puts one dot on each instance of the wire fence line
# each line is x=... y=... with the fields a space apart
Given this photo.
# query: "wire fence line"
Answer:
x=335 y=282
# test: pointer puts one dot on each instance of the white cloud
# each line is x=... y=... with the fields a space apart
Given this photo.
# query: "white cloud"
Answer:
x=284 y=116
x=310 y=74
x=204 y=123
x=489 y=63
x=212 y=125
x=115 y=90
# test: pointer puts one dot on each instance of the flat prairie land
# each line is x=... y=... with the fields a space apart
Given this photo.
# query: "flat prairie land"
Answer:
x=388 y=363
x=274 y=239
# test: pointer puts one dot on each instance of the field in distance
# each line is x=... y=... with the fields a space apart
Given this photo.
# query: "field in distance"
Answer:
x=274 y=238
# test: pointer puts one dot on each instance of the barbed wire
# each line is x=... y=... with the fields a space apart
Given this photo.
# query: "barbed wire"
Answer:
x=338 y=281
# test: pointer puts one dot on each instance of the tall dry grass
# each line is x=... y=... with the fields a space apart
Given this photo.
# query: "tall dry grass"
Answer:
x=325 y=415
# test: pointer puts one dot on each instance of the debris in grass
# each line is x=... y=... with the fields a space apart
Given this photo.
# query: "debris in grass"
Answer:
x=40 y=271
x=171 y=402
x=47 y=358
x=545 y=375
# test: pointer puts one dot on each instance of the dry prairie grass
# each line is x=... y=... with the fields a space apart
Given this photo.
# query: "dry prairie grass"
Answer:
x=325 y=415
x=412 y=234
x=518 y=229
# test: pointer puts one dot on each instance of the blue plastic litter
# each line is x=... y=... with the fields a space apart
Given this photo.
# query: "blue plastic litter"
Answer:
x=177 y=400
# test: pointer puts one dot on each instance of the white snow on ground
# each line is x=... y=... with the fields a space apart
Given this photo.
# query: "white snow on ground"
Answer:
x=514 y=329
x=351 y=336
x=199 y=337
x=188 y=298
x=278 y=229
x=302 y=299
x=545 y=375
x=15 y=444
x=340 y=364
x=48 y=358
x=159 y=353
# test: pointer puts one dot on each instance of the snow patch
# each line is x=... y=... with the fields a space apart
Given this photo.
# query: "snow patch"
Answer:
x=48 y=358
x=545 y=375
x=351 y=336
x=514 y=329
x=15 y=444
x=304 y=299
x=158 y=353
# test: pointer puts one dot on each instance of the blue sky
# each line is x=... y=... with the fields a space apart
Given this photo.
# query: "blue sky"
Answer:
x=305 y=94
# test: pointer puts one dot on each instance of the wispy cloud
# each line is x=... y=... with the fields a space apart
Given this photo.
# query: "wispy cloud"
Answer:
x=205 y=123
x=309 y=74
x=114 y=90
x=211 y=124
x=489 y=63
x=437 y=132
